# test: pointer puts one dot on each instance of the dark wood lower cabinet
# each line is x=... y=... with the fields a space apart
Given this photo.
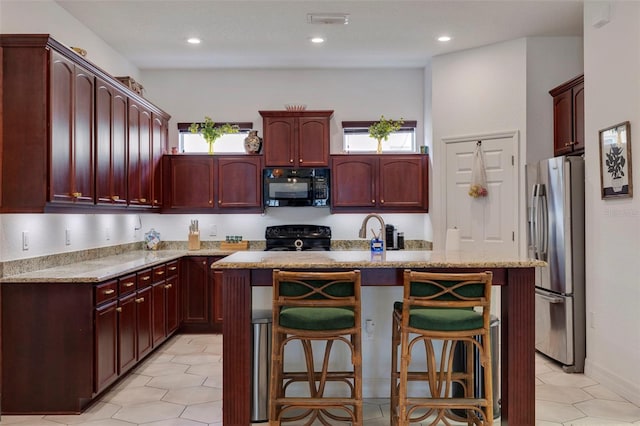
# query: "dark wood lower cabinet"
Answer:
x=65 y=343
x=201 y=297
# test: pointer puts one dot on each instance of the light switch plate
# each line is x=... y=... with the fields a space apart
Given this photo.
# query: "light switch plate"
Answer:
x=67 y=237
x=25 y=240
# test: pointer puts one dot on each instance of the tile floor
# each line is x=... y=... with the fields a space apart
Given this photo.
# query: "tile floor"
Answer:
x=181 y=385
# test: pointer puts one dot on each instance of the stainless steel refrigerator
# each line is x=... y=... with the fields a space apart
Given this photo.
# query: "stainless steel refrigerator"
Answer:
x=555 y=194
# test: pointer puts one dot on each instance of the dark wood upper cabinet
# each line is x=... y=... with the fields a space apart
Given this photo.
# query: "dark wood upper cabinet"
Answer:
x=72 y=131
x=568 y=117
x=296 y=138
x=385 y=183
x=240 y=182
x=225 y=183
x=63 y=121
x=111 y=144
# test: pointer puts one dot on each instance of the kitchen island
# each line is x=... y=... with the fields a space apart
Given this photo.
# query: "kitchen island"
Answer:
x=516 y=278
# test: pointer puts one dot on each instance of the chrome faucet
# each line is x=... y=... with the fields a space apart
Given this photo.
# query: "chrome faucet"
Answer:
x=363 y=229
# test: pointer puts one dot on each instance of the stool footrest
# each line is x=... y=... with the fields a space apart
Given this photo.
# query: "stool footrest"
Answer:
x=318 y=402
x=448 y=402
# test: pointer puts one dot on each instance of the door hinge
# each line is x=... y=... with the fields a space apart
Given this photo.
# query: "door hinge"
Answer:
x=513 y=161
x=513 y=235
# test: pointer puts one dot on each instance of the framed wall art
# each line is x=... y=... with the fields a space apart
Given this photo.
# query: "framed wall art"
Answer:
x=615 y=161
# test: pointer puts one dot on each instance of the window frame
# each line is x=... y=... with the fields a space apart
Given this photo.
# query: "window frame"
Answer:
x=362 y=127
x=244 y=127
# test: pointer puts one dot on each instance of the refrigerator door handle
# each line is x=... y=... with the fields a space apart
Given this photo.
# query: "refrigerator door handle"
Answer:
x=550 y=299
x=534 y=224
x=545 y=225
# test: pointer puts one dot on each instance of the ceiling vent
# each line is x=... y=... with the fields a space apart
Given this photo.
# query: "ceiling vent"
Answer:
x=328 y=18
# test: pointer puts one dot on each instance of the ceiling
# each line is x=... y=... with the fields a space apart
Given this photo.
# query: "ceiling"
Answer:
x=275 y=34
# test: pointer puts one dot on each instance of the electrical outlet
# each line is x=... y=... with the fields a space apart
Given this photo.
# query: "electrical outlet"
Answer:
x=25 y=240
x=67 y=237
x=213 y=231
x=369 y=329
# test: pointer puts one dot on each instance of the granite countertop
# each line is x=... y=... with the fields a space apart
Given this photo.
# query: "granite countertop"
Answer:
x=105 y=268
x=365 y=259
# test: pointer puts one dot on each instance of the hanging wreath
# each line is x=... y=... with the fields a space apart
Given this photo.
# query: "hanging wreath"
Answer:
x=478 y=186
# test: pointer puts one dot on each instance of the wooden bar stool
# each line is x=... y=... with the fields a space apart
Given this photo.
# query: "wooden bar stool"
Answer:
x=453 y=309
x=308 y=307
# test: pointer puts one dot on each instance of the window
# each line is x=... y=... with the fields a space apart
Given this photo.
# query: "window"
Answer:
x=356 y=138
x=229 y=143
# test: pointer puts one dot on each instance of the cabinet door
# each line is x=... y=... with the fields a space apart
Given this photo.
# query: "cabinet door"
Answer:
x=159 y=139
x=106 y=346
x=353 y=181
x=562 y=123
x=72 y=137
x=191 y=181
x=240 y=182
x=313 y=142
x=279 y=141
x=173 y=304
x=144 y=322
x=140 y=178
x=111 y=144
x=402 y=183
x=159 y=312
x=127 y=332
x=195 y=290
x=578 y=116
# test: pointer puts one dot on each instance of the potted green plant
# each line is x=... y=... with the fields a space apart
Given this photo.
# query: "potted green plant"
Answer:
x=381 y=129
x=211 y=132
x=615 y=166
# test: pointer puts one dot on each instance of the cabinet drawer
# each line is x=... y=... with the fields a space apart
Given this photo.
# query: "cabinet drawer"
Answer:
x=106 y=291
x=127 y=284
x=172 y=268
x=144 y=278
x=159 y=273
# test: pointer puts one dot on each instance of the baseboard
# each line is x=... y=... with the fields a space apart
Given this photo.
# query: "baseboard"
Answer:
x=619 y=385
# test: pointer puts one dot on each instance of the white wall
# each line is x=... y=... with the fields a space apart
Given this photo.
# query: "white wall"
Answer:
x=476 y=91
x=550 y=62
x=612 y=95
x=47 y=17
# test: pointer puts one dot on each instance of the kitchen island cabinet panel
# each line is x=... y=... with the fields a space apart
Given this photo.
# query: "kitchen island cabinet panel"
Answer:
x=201 y=311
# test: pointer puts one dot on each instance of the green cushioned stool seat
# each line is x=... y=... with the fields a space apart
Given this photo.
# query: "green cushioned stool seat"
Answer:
x=317 y=318
x=443 y=319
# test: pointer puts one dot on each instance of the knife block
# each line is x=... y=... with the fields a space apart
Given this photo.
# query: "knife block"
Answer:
x=194 y=241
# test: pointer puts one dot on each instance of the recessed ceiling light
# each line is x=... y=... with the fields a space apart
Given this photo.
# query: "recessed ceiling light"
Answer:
x=193 y=40
x=317 y=40
x=444 y=38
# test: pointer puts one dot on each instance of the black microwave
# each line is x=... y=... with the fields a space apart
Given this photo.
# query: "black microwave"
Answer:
x=296 y=187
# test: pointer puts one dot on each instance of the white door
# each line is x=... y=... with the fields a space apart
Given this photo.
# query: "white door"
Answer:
x=487 y=224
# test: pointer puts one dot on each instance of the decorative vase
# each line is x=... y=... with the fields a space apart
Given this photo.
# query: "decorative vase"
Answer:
x=253 y=142
x=210 y=148
x=379 y=150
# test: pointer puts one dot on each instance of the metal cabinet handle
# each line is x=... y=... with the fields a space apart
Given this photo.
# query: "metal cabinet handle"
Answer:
x=373 y=201
x=139 y=300
x=159 y=272
x=168 y=286
x=115 y=197
x=143 y=200
x=145 y=278
x=570 y=143
x=173 y=268
x=109 y=291
x=129 y=284
x=118 y=309
x=291 y=160
x=76 y=194
x=381 y=201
